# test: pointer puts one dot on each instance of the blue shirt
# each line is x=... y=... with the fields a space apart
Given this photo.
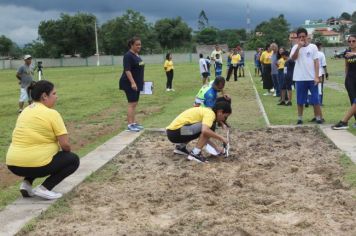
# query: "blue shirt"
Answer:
x=210 y=97
x=274 y=67
x=135 y=65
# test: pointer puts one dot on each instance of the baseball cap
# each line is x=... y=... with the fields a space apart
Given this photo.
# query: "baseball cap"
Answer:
x=27 y=57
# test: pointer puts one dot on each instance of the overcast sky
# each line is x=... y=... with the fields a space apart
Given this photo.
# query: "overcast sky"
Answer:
x=19 y=19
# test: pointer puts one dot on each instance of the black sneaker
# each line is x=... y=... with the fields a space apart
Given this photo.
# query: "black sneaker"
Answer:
x=181 y=150
x=289 y=104
x=299 y=122
x=196 y=157
x=318 y=121
x=282 y=103
x=340 y=125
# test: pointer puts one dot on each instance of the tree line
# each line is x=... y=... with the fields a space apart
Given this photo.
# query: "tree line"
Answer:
x=75 y=35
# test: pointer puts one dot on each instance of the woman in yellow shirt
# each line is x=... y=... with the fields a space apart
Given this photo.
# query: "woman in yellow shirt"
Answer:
x=168 y=67
x=265 y=60
x=235 y=59
x=40 y=145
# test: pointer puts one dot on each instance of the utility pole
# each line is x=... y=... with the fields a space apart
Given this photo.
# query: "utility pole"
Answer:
x=97 y=46
x=248 y=19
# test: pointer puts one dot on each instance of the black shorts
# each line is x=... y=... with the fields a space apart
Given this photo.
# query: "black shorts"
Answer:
x=132 y=95
x=186 y=133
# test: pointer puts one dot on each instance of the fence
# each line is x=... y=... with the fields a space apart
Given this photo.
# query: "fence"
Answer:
x=117 y=60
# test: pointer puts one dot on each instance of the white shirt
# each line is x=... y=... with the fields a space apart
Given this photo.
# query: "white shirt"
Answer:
x=213 y=55
x=202 y=65
x=322 y=63
x=304 y=65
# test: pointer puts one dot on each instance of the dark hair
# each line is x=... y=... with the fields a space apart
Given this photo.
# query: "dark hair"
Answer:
x=200 y=55
x=40 y=87
x=267 y=46
x=132 y=41
x=302 y=30
x=318 y=44
x=351 y=35
x=217 y=55
x=285 y=53
x=222 y=105
x=167 y=56
x=219 y=79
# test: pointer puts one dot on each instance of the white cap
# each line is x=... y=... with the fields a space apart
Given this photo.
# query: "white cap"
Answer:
x=27 y=57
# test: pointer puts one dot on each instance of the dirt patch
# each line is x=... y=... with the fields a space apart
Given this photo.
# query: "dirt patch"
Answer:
x=276 y=182
x=7 y=178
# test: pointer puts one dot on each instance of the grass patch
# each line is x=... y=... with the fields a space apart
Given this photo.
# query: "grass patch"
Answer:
x=350 y=170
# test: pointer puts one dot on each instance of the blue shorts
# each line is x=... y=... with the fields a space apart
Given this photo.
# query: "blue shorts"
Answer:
x=302 y=88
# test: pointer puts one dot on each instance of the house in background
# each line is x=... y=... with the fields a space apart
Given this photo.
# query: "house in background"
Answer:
x=329 y=35
x=311 y=25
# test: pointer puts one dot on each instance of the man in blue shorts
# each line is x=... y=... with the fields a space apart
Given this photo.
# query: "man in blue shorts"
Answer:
x=306 y=74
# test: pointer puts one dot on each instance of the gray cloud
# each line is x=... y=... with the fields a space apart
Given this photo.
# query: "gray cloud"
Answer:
x=20 y=19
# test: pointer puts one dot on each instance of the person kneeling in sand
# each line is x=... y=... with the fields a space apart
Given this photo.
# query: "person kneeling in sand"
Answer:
x=198 y=122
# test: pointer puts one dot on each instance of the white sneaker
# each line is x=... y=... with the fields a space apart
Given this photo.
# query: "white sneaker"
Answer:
x=172 y=90
x=272 y=90
x=266 y=94
x=42 y=192
x=26 y=189
x=168 y=90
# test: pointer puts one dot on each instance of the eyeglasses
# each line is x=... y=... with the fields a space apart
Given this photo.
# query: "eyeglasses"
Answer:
x=352 y=41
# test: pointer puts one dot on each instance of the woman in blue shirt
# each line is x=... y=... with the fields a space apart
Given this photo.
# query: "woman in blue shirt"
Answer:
x=132 y=80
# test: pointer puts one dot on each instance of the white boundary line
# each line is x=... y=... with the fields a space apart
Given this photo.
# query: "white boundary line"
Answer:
x=262 y=109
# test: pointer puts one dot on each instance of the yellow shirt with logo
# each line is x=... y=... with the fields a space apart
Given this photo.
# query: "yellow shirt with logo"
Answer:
x=266 y=57
x=281 y=62
x=168 y=65
x=235 y=59
x=193 y=115
x=34 y=139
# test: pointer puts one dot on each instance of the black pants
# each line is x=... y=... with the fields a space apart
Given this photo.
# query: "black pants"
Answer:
x=169 y=79
x=62 y=165
x=232 y=68
x=350 y=86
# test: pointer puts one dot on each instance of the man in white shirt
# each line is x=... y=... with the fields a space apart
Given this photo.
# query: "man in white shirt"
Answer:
x=306 y=75
x=203 y=69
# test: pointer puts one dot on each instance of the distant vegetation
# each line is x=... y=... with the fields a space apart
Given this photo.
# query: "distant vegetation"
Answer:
x=75 y=34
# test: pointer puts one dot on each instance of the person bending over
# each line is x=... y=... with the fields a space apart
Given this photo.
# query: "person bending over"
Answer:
x=40 y=145
x=198 y=123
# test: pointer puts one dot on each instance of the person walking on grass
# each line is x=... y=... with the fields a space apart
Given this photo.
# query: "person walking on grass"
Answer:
x=168 y=67
x=198 y=123
x=350 y=83
x=306 y=75
x=132 y=80
x=203 y=69
x=25 y=76
x=241 y=52
x=40 y=145
x=235 y=59
x=257 y=56
x=265 y=60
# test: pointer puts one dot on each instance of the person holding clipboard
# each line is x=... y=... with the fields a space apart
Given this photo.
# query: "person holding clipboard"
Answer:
x=132 y=81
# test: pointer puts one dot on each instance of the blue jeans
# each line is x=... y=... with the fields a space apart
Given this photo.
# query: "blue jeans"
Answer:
x=276 y=84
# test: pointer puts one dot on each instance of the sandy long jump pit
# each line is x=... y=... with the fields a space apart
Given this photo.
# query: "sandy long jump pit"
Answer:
x=276 y=182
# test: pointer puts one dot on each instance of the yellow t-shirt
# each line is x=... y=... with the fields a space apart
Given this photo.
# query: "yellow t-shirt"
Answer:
x=266 y=57
x=34 y=139
x=168 y=65
x=193 y=115
x=281 y=62
x=235 y=59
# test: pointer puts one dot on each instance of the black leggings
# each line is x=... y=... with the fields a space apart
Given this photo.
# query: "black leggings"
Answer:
x=350 y=86
x=232 y=68
x=169 y=79
x=62 y=165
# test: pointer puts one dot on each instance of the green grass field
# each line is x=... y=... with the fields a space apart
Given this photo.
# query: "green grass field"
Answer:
x=89 y=97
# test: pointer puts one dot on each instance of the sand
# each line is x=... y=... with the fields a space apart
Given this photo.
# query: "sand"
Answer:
x=275 y=182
